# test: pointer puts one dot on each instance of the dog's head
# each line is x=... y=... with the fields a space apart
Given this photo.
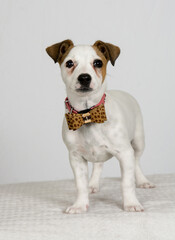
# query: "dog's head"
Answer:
x=83 y=68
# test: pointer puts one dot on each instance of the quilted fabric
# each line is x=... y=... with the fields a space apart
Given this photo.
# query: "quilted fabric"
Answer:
x=34 y=211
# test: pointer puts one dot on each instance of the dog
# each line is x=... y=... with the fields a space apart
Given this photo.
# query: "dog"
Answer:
x=99 y=124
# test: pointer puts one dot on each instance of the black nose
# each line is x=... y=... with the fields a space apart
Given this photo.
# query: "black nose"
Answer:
x=84 y=79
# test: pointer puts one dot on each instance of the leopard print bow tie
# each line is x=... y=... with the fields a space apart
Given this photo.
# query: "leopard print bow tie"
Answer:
x=95 y=115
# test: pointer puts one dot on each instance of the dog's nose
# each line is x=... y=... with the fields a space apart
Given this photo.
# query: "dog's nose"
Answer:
x=84 y=79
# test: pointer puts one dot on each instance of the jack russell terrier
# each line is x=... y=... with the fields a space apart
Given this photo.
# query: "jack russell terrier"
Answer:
x=99 y=124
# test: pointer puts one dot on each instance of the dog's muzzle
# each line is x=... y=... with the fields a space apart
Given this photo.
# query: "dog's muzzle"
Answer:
x=84 y=80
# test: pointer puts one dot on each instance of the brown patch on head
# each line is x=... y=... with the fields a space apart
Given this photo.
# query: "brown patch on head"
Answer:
x=102 y=57
x=109 y=51
x=60 y=50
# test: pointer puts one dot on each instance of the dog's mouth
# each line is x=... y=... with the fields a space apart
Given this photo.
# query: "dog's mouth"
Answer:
x=84 y=89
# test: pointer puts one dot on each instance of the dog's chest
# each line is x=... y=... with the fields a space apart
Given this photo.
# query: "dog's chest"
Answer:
x=93 y=145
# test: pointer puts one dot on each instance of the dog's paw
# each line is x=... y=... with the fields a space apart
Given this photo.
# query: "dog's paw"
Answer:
x=146 y=185
x=94 y=188
x=134 y=208
x=75 y=208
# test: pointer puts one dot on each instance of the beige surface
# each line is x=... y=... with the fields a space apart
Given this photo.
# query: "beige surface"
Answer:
x=35 y=211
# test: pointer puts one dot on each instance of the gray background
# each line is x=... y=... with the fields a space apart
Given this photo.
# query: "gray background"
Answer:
x=32 y=92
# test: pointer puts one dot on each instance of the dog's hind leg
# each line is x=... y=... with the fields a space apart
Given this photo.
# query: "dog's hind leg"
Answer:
x=94 y=183
x=138 y=145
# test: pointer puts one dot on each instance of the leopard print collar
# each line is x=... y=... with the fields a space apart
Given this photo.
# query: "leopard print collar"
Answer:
x=96 y=114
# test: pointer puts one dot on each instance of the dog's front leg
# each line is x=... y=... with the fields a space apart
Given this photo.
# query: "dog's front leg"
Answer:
x=127 y=164
x=94 y=183
x=80 y=170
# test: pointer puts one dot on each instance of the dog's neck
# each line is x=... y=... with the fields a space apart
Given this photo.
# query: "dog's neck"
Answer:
x=82 y=102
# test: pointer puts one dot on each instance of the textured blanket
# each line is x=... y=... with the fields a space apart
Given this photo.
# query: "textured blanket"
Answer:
x=34 y=211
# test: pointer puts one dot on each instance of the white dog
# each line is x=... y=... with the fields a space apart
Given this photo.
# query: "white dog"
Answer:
x=116 y=130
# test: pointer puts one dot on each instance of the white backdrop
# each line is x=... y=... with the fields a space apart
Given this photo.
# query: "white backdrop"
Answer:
x=32 y=92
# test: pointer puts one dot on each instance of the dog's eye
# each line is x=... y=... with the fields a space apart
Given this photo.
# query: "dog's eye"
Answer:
x=69 y=64
x=97 y=63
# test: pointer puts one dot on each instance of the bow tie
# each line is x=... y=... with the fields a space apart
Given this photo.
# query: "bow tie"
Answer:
x=95 y=115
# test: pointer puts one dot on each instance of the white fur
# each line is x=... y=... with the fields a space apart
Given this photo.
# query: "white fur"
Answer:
x=121 y=135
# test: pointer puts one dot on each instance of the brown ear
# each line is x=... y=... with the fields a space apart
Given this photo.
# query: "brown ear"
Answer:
x=110 y=51
x=60 y=50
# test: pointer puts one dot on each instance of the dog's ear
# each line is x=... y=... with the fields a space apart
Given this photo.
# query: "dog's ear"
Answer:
x=110 y=51
x=59 y=50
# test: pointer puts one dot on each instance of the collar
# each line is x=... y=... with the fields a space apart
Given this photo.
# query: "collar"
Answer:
x=72 y=110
